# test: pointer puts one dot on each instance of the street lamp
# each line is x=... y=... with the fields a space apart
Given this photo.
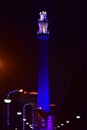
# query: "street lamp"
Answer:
x=19 y=113
x=24 y=117
x=8 y=101
x=62 y=124
x=78 y=117
x=67 y=121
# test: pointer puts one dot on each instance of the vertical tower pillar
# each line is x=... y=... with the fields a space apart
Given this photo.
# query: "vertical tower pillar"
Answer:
x=43 y=78
x=45 y=121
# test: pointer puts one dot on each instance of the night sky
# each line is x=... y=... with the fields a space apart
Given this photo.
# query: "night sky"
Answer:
x=67 y=51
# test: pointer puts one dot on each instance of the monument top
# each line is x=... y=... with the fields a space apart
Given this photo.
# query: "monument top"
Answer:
x=43 y=23
x=43 y=15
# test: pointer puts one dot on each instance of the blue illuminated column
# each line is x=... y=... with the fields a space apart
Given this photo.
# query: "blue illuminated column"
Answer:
x=43 y=78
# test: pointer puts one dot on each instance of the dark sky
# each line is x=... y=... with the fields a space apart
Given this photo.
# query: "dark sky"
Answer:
x=67 y=50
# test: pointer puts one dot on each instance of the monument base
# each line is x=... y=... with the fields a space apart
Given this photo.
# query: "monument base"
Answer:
x=44 y=121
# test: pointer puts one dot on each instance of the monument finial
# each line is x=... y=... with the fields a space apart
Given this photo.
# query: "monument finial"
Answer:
x=43 y=23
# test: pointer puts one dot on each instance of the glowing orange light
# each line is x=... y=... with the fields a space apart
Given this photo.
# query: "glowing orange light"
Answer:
x=25 y=92
x=6 y=65
x=21 y=90
x=33 y=93
x=1 y=64
x=52 y=105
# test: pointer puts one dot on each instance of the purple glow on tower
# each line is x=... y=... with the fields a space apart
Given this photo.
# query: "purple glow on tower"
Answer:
x=43 y=23
x=43 y=15
x=43 y=76
x=50 y=123
x=43 y=73
x=47 y=124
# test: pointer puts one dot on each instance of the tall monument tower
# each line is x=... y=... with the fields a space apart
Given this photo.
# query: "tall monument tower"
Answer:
x=43 y=78
x=46 y=123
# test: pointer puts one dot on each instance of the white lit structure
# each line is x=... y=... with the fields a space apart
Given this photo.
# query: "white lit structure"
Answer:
x=43 y=23
x=43 y=100
x=8 y=101
x=43 y=76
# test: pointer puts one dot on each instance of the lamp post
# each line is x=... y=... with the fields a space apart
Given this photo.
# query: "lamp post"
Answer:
x=8 y=101
x=24 y=117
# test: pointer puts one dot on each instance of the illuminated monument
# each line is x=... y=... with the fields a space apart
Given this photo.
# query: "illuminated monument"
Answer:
x=43 y=79
x=43 y=76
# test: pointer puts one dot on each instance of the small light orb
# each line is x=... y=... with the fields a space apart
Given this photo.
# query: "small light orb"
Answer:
x=77 y=117
x=67 y=121
x=27 y=123
x=24 y=119
x=58 y=126
x=62 y=124
x=19 y=113
x=21 y=90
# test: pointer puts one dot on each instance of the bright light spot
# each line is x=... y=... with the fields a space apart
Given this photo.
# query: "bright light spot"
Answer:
x=67 y=121
x=16 y=128
x=38 y=108
x=21 y=90
x=7 y=100
x=30 y=126
x=44 y=29
x=41 y=17
x=62 y=124
x=78 y=117
x=19 y=113
x=27 y=123
x=58 y=126
x=24 y=119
